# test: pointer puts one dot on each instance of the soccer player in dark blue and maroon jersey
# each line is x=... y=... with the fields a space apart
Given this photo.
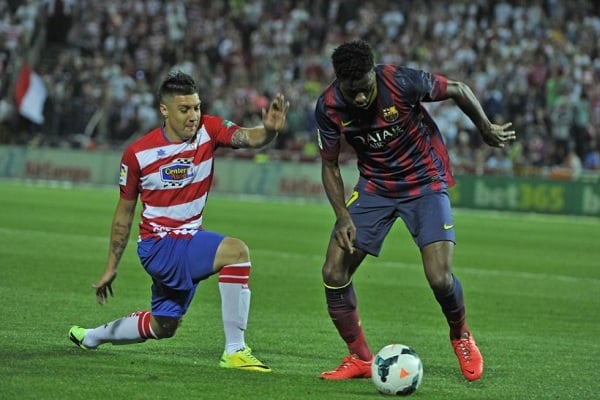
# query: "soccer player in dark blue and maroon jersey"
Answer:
x=404 y=172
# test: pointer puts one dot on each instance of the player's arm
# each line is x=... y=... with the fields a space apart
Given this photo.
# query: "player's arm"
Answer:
x=333 y=184
x=119 y=237
x=492 y=134
x=273 y=121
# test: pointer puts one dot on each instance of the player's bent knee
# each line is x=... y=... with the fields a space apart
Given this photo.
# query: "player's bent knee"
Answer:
x=232 y=251
x=165 y=327
x=440 y=283
x=334 y=276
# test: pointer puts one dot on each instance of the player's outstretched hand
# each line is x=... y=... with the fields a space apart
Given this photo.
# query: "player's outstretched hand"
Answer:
x=498 y=135
x=274 y=117
x=104 y=286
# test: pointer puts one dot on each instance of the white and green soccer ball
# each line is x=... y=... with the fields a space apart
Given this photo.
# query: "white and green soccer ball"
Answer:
x=397 y=370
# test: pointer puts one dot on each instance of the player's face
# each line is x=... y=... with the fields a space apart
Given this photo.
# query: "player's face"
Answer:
x=360 y=93
x=182 y=116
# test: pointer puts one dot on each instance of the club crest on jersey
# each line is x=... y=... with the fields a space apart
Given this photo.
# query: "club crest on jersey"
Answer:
x=390 y=114
x=179 y=172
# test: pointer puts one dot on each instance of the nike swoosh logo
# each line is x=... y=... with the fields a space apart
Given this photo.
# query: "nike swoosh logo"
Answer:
x=469 y=371
x=446 y=227
x=346 y=123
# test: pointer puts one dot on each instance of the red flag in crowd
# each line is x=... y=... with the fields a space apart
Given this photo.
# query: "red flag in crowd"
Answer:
x=31 y=94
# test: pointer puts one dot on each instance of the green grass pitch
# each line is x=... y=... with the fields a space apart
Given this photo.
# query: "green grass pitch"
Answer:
x=531 y=282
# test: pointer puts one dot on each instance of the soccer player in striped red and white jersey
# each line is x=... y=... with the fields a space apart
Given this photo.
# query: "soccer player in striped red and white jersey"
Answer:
x=170 y=170
x=404 y=172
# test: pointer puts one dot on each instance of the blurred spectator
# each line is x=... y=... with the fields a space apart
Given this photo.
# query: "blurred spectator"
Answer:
x=60 y=20
x=591 y=161
x=571 y=167
x=581 y=124
x=561 y=118
x=461 y=153
x=498 y=163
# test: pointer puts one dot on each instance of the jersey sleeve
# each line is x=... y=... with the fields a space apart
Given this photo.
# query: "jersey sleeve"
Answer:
x=422 y=86
x=220 y=130
x=437 y=86
x=129 y=175
x=328 y=135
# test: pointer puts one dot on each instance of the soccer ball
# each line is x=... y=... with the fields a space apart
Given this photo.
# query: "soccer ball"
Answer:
x=397 y=370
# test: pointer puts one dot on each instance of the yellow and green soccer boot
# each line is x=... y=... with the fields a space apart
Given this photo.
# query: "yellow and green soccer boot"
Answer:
x=244 y=360
x=76 y=334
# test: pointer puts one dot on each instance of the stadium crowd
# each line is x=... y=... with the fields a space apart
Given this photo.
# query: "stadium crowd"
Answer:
x=535 y=63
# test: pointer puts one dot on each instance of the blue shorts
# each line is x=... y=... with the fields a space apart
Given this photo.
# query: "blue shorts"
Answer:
x=176 y=265
x=428 y=218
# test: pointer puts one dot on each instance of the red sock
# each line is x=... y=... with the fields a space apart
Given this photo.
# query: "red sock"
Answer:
x=342 y=305
x=360 y=347
x=143 y=324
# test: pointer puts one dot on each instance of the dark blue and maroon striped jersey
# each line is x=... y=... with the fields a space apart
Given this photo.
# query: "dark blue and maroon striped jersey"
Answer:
x=400 y=150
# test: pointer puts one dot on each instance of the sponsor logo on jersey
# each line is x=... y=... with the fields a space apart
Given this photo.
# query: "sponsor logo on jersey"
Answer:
x=179 y=172
x=123 y=175
x=377 y=139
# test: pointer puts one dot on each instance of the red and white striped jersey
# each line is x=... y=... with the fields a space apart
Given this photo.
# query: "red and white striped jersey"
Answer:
x=173 y=178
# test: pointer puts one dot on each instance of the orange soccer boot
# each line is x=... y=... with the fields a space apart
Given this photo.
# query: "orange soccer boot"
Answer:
x=350 y=368
x=469 y=357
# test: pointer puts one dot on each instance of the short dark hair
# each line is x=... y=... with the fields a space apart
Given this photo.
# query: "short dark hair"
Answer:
x=352 y=60
x=177 y=83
